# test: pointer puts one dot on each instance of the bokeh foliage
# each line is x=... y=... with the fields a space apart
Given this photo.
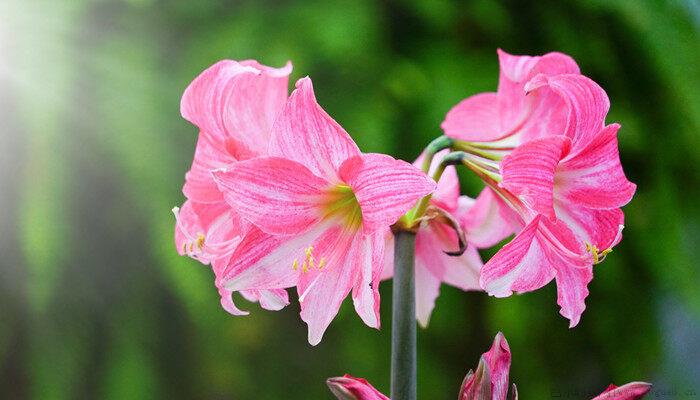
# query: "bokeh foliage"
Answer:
x=95 y=302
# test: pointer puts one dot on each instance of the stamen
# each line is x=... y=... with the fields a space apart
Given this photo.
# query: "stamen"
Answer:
x=322 y=263
x=295 y=265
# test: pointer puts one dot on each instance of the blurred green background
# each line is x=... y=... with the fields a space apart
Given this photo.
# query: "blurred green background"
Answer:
x=95 y=303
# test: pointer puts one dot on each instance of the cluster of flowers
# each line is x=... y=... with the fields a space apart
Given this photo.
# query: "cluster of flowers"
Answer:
x=280 y=196
x=488 y=382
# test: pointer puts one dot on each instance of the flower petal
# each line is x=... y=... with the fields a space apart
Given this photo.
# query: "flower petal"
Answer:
x=322 y=291
x=239 y=101
x=279 y=196
x=594 y=177
x=629 y=391
x=528 y=172
x=531 y=116
x=208 y=231
x=475 y=119
x=304 y=132
x=384 y=187
x=427 y=290
x=587 y=103
x=269 y=299
x=199 y=184
x=601 y=228
x=365 y=292
x=263 y=261
x=488 y=220
x=572 y=290
x=521 y=265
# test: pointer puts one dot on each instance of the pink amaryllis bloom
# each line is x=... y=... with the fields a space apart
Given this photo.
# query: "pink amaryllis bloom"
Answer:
x=569 y=190
x=234 y=105
x=489 y=382
x=542 y=146
x=433 y=240
x=321 y=209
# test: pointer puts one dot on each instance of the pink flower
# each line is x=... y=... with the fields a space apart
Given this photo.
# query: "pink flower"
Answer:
x=488 y=382
x=350 y=388
x=576 y=183
x=234 y=105
x=555 y=164
x=321 y=210
x=434 y=238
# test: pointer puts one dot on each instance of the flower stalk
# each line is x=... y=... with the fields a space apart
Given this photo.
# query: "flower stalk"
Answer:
x=403 y=318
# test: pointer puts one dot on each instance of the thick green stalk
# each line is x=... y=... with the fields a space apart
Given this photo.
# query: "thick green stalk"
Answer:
x=403 y=319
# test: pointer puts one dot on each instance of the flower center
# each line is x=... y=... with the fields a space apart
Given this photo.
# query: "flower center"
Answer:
x=341 y=203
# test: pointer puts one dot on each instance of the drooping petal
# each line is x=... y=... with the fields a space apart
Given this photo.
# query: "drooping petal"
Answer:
x=269 y=299
x=572 y=290
x=365 y=292
x=629 y=391
x=521 y=265
x=474 y=119
x=384 y=187
x=351 y=388
x=488 y=220
x=427 y=290
x=587 y=104
x=237 y=101
x=279 y=196
x=228 y=304
x=305 y=133
x=529 y=171
x=594 y=177
x=321 y=291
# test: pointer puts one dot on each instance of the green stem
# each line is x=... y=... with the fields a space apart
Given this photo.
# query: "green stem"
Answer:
x=403 y=319
x=438 y=144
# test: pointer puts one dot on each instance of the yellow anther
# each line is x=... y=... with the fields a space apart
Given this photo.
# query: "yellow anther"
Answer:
x=200 y=241
x=295 y=266
x=184 y=247
x=309 y=250
x=191 y=247
x=304 y=267
x=322 y=263
x=311 y=262
x=598 y=256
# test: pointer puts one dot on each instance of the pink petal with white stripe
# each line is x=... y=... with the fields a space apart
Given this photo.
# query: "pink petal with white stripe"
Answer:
x=279 y=196
x=322 y=290
x=528 y=172
x=305 y=133
x=384 y=187
x=586 y=101
x=522 y=265
x=488 y=219
x=594 y=177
